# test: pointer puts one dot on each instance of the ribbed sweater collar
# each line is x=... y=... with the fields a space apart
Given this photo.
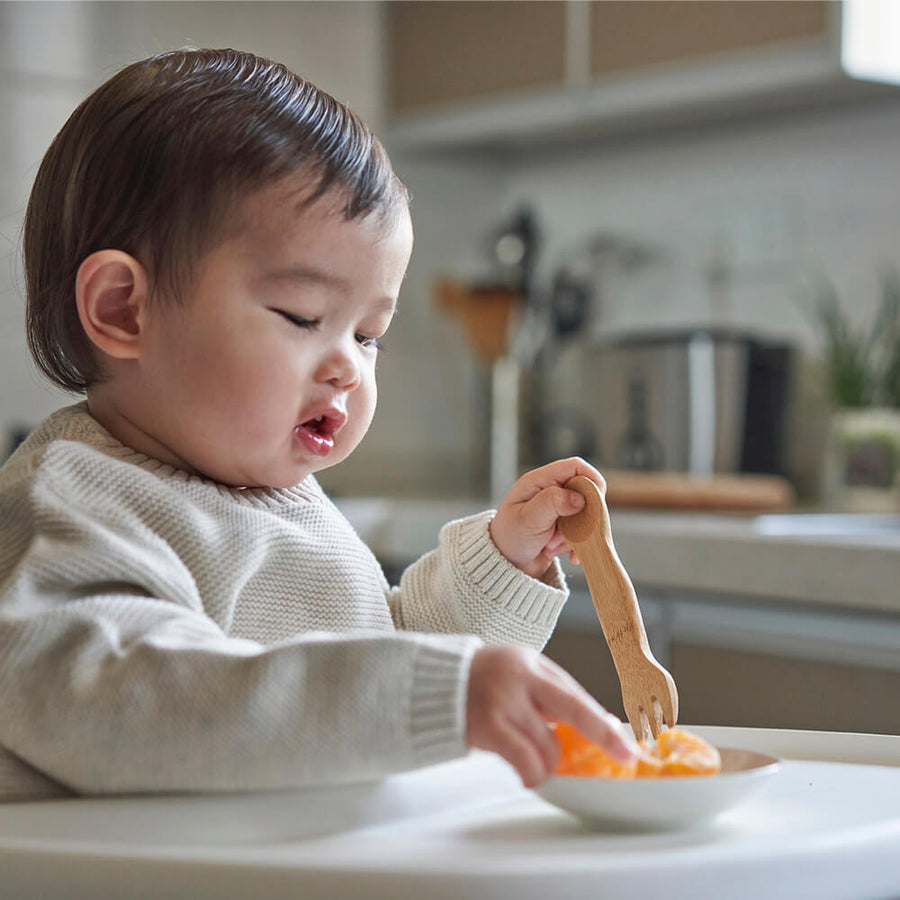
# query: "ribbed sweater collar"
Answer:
x=75 y=423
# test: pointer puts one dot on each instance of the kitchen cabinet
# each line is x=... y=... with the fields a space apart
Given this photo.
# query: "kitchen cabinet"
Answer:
x=725 y=686
x=499 y=75
x=583 y=653
x=719 y=685
x=444 y=52
x=737 y=662
x=627 y=36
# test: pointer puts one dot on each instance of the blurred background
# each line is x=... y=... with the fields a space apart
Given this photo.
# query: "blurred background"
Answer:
x=629 y=216
x=662 y=235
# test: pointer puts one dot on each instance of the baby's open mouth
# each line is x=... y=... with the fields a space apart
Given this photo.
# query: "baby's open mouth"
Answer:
x=317 y=433
x=318 y=425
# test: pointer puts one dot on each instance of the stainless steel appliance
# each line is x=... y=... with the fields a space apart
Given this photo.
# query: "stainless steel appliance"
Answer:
x=692 y=401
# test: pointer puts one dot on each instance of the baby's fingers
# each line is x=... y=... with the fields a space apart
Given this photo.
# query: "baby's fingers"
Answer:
x=570 y=703
x=558 y=544
x=540 y=513
x=534 y=759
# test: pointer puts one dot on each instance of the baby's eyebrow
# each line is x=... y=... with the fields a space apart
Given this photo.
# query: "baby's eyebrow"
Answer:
x=306 y=274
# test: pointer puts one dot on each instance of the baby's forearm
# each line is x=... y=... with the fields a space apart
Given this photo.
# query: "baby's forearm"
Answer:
x=118 y=694
x=467 y=586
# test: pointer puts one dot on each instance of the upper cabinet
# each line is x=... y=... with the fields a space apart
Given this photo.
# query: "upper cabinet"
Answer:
x=441 y=53
x=629 y=36
x=500 y=74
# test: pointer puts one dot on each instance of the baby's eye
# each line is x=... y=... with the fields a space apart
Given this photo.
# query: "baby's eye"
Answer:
x=373 y=343
x=299 y=321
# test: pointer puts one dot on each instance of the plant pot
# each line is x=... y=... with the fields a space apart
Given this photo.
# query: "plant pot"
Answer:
x=862 y=460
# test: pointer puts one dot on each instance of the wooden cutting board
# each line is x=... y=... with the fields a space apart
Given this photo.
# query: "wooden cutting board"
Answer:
x=719 y=493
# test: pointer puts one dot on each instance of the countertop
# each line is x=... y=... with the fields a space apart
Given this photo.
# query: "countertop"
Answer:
x=826 y=826
x=850 y=562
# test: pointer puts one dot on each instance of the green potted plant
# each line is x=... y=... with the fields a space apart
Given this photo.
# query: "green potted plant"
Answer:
x=862 y=372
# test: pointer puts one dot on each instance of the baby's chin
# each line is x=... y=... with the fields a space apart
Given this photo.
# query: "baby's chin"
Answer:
x=279 y=477
x=275 y=472
x=250 y=477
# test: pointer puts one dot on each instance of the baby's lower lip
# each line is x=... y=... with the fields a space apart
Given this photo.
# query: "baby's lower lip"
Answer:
x=313 y=442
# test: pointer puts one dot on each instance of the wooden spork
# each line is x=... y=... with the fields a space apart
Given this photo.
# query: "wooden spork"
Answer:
x=648 y=690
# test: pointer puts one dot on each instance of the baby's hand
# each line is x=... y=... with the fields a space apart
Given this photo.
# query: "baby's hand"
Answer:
x=513 y=693
x=524 y=529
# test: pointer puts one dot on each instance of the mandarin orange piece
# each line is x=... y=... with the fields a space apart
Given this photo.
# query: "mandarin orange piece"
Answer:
x=649 y=765
x=579 y=756
x=684 y=753
x=676 y=752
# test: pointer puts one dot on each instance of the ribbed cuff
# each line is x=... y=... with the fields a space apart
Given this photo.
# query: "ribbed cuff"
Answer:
x=534 y=601
x=440 y=682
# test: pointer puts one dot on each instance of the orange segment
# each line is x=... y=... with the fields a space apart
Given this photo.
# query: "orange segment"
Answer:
x=676 y=752
x=649 y=765
x=579 y=756
x=684 y=753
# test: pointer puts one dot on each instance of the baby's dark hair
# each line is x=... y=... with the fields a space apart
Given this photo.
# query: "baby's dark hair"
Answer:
x=154 y=163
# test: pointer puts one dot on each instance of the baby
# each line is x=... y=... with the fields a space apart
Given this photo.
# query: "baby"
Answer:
x=214 y=249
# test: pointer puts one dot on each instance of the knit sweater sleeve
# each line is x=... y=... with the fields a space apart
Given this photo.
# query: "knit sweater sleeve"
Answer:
x=119 y=693
x=115 y=680
x=467 y=586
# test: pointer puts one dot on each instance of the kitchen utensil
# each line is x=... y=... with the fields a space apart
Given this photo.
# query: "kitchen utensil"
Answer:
x=639 y=449
x=487 y=315
x=716 y=402
x=570 y=300
x=648 y=690
x=514 y=247
x=661 y=803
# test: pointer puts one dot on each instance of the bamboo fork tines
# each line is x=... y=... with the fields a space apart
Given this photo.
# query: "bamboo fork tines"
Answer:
x=648 y=690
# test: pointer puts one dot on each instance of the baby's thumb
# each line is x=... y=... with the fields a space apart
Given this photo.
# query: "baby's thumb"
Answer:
x=551 y=503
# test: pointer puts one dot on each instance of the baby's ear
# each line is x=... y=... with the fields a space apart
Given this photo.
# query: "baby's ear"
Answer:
x=111 y=293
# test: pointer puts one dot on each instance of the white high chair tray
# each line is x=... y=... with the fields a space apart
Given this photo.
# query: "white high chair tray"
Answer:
x=827 y=826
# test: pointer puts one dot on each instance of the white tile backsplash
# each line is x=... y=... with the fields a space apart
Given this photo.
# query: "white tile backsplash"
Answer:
x=784 y=200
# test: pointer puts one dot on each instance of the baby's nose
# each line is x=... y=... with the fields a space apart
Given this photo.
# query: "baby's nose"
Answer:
x=340 y=366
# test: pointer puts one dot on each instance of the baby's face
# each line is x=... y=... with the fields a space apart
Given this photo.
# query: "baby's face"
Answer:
x=266 y=373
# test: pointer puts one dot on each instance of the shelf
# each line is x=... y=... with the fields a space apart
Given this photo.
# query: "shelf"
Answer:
x=796 y=76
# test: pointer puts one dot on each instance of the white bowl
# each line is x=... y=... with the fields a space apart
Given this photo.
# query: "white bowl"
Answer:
x=668 y=802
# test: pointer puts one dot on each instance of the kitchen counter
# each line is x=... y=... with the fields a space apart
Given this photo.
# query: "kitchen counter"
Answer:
x=825 y=826
x=847 y=562
x=770 y=556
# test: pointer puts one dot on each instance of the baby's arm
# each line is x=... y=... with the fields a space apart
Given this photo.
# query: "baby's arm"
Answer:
x=116 y=693
x=495 y=574
x=484 y=577
x=115 y=680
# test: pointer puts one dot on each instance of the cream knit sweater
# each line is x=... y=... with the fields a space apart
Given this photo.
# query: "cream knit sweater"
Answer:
x=161 y=632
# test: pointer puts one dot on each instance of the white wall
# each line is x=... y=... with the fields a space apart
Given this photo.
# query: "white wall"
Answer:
x=54 y=53
x=779 y=201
